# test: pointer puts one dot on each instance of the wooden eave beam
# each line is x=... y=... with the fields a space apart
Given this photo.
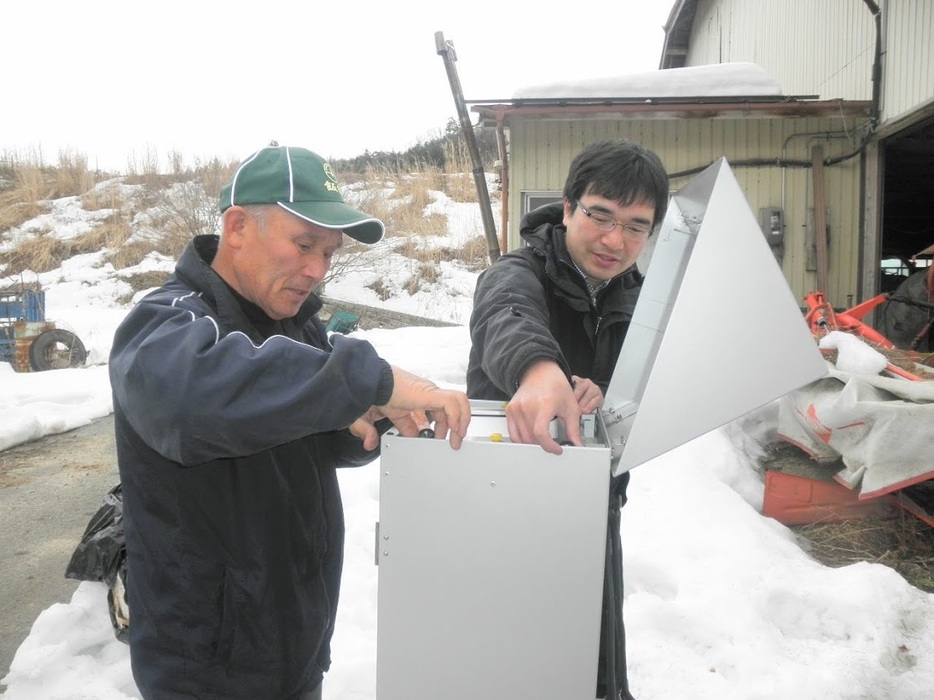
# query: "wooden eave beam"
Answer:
x=724 y=110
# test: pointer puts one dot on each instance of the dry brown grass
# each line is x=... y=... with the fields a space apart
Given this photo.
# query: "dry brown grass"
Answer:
x=460 y=187
x=14 y=214
x=144 y=169
x=474 y=253
x=905 y=544
x=43 y=252
x=399 y=201
x=140 y=281
x=129 y=254
x=34 y=181
x=147 y=170
x=425 y=274
x=214 y=174
x=72 y=176
x=177 y=218
x=382 y=291
x=22 y=200
x=111 y=233
x=29 y=182
x=415 y=188
x=459 y=182
x=416 y=183
x=106 y=198
x=183 y=212
x=182 y=203
x=40 y=253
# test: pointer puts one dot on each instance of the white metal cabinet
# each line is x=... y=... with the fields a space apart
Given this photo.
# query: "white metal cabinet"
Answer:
x=490 y=569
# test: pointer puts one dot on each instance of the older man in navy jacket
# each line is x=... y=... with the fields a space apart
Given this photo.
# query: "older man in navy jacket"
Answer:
x=233 y=409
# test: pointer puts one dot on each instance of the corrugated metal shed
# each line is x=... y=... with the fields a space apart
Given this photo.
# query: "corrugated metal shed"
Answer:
x=863 y=76
x=880 y=49
x=799 y=42
x=767 y=140
x=908 y=67
x=827 y=48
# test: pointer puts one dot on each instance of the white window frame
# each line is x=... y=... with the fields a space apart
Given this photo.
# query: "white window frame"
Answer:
x=536 y=198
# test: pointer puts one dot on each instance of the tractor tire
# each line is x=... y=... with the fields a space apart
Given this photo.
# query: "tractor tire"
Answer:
x=56 y=349
x=901 y=323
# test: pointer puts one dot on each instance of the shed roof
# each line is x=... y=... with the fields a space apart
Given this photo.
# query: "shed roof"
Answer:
x=717 y=80
x=678 y=34
x=724 y=90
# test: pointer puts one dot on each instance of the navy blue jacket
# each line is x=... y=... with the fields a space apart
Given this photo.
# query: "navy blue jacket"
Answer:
x=227 y=445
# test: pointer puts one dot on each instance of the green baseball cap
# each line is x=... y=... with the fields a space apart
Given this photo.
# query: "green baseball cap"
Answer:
x=302 y=183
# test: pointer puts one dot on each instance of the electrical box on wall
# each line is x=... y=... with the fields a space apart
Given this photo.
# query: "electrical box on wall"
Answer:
x=772 y=223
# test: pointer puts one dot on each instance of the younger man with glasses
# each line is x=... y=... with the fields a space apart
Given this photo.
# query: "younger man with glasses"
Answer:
x=549 y=320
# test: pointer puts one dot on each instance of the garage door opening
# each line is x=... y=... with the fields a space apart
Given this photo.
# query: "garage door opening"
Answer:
x=907 y=230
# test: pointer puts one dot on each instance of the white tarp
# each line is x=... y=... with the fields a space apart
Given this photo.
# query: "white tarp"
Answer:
x=881 y=427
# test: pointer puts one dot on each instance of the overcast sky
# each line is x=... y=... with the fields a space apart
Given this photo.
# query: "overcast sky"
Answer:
x=119 y=80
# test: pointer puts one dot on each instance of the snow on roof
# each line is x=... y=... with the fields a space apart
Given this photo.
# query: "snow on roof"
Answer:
x=716 y=80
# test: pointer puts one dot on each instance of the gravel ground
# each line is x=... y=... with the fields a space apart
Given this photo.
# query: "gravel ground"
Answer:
x=49 y=489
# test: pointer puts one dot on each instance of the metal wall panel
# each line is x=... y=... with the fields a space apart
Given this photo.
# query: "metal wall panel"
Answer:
x=824 y=48
x=908 y=66
x=811 y=48
x=543 y=149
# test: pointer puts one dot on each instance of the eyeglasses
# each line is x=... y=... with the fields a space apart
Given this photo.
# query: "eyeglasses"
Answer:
x=607 y=223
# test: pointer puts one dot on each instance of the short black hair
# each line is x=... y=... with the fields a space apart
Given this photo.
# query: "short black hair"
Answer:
x=621 y=171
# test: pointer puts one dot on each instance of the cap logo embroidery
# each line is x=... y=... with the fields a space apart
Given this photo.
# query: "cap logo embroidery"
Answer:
x=331 y=183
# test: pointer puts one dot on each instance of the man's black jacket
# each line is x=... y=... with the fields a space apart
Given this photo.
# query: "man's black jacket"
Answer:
x=534 y=303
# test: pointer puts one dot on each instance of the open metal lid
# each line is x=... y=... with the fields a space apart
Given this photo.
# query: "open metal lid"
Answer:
x=716 y=332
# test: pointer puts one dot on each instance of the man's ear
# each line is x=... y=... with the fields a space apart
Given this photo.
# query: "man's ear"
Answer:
x=235 y=220
x=567 y=212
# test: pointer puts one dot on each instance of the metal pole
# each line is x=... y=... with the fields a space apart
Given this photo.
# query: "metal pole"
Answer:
x=504 y=185
x=445 y=49
x=820 y=220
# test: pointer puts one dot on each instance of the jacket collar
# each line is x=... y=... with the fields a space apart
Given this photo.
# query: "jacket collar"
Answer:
x=194 y=267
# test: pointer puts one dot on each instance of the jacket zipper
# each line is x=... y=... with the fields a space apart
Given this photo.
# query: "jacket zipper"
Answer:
x=592 y=297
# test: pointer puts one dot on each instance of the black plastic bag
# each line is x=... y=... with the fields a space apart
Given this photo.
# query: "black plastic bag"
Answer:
x=97 y=557
x=101 y=556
